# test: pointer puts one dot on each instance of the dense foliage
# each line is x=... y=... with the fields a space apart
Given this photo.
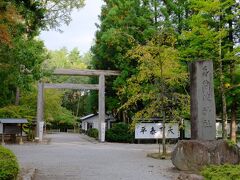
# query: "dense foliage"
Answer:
x=23 y=58
x=120 y=132
x=74 y=100
x=212 y=33
x=93 y=132
x=9 y=167
x=226 y=172
x=157 y=84
x=134 y=36
x=21 y=53
x=123 y=25
x=150 y=42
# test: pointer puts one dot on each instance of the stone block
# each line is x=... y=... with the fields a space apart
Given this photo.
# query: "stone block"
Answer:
x=192 y=155
x=185 y=176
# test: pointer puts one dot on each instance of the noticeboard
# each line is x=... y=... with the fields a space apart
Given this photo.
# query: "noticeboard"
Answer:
x=10 y=129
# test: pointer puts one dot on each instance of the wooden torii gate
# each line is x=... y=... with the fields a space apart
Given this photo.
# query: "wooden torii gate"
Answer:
x=74 y=72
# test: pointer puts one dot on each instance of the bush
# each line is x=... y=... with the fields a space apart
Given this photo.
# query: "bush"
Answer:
x=93 y=132
x=9 y=167
x=119 y=133
x=223 y=172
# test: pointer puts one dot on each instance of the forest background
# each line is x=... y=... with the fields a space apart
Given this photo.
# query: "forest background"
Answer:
x=151 y=43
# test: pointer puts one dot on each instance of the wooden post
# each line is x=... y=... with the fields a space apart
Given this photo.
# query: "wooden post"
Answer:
x=3 y=139
x=3 y=136
x=40 y=102
x=101 y=108
x=21 y=141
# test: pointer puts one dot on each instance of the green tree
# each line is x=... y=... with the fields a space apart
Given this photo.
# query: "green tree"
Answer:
x=76 y=101
x=58 y=12
x=20 y=51
x=63 y=59
x=211 y=35
x=55 y=114
x=20 y=66
x=157 y=89
x=204 y=29
x=22 y=54
x=123 y=25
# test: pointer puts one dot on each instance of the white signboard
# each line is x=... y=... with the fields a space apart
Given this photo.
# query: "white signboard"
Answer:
x=187 y=129
x=1 y=128
x=219 y=129
x=155 y=130
x=41 y=124
x=103 y=127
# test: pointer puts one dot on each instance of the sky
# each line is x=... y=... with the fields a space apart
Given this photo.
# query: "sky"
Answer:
x=79 y=33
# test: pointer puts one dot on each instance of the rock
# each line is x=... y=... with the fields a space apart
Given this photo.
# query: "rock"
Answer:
x=184 y=176
x=27 y=174
x=192 y=155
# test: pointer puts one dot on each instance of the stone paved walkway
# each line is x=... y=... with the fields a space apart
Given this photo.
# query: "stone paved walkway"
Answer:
x=78 y=157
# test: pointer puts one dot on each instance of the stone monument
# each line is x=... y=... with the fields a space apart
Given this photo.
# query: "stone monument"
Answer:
x=203 y=113
x=203 y=148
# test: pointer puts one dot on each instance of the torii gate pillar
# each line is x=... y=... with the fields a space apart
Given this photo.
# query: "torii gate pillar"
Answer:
x=40 y=102
x=101 y=108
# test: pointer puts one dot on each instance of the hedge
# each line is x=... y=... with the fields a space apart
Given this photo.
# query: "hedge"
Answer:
x=9 y=167
x=93 y=132
x=119 y=133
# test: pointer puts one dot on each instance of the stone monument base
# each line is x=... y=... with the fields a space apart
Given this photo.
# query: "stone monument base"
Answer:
x=192 y=155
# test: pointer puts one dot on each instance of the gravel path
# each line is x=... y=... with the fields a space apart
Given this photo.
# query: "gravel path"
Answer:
x=78 y=157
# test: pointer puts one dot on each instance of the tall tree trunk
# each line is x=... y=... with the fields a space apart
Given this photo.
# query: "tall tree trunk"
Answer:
x=163 y=115
x=224 y=104
x=155 y=13
x=233 y=125
x=17 y=98
x=234 y=120
x=78 y=105
x=232 y=75
x=164 y=153
x=222 y=89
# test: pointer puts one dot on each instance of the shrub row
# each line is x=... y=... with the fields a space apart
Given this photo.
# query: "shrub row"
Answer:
x=119 y=133
x=9 y=167
x=93 y=132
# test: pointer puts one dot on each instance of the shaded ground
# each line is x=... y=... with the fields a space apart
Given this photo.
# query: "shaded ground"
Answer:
x=78 y=157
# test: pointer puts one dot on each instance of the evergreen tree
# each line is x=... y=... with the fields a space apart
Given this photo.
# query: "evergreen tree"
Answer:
x=211 y=35
x=124 y=23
